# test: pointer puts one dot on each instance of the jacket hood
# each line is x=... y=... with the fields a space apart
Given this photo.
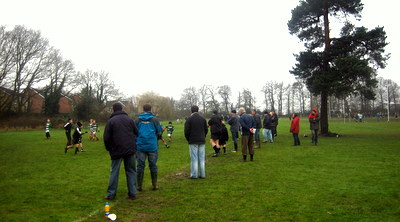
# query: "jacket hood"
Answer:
x=146 y=116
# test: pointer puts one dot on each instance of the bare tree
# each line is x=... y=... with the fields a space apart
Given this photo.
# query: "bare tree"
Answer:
x=301 y=93
x=189 y=97
x=381 y=92
x=162 y=107
x=96 y=89
x=394 y=93
x=30 y=53
x=265 y=99
x=269 y=90
x=239 y=100
x=213 y=100
x=7 y=54
x=280 y=90
x=59 y=72
x=105 y=88
x=204 y=97
x=248 y=100
x=225 y=92
x=288 y=98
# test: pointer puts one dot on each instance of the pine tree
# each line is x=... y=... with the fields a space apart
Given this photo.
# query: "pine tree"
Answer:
x=336 y=66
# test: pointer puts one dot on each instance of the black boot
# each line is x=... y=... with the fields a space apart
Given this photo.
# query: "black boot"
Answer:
x=215 y=151
x=154 y=180
x=244 y=158
x=76 y=150
x=251 y=157
x=140 y=181
x=236 y=146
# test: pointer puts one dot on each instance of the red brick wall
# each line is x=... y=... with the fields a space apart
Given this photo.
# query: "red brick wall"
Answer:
x=65 y=105
x=36 y=103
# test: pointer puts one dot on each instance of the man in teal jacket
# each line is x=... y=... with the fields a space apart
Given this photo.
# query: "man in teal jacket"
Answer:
x=147 y=145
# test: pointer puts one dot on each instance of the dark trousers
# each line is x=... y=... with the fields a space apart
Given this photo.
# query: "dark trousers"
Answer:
x=235 y=136
x=296 y=139
x=247 y=143
x=69 y=140
x=314 y=138
x=273 y=132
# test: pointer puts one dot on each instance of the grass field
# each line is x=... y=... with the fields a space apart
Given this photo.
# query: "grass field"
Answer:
x=355 y=177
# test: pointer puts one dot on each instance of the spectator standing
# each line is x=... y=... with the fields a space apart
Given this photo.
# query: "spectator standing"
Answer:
x=314 y=118
x=267 y=128
x=274 y=123
x=224 y=137
x=119 y=139
x=295 y=129
x=257 y=118
x=248 y=128
x=149 y=131
x=195 y=132
x=215 y=124
x=235 y=126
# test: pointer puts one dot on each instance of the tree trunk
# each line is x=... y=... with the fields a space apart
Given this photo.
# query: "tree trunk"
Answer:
x=324 y=94
x=324 y=113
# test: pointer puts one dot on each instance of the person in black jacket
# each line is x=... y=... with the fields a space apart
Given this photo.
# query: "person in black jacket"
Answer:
x=257 y=118
x=274 y=124
x=267 y=128
x=215 y=124
x=235 y=127
x=224 y=137
x=195 y=131
x=120 y=141
x=77 y=137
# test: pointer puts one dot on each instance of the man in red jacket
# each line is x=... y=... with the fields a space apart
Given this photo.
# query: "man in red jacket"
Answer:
x=295 y=129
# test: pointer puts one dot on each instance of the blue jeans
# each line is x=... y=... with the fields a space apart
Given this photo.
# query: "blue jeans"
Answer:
x=296 y=139
x=198 y=157
x=130 y=172
x=257 y=135
x=235 y=136
x=152 y=158
x=268 y=134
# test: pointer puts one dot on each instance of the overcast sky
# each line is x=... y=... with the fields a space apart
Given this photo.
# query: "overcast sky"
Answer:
x=165 y=46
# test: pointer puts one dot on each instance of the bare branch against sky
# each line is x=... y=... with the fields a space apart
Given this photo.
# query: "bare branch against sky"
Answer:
x=167 y=46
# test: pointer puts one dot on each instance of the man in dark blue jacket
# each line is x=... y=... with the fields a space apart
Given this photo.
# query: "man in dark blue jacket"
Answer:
x=248 y=125
x=119 y=139
x=235 y=126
